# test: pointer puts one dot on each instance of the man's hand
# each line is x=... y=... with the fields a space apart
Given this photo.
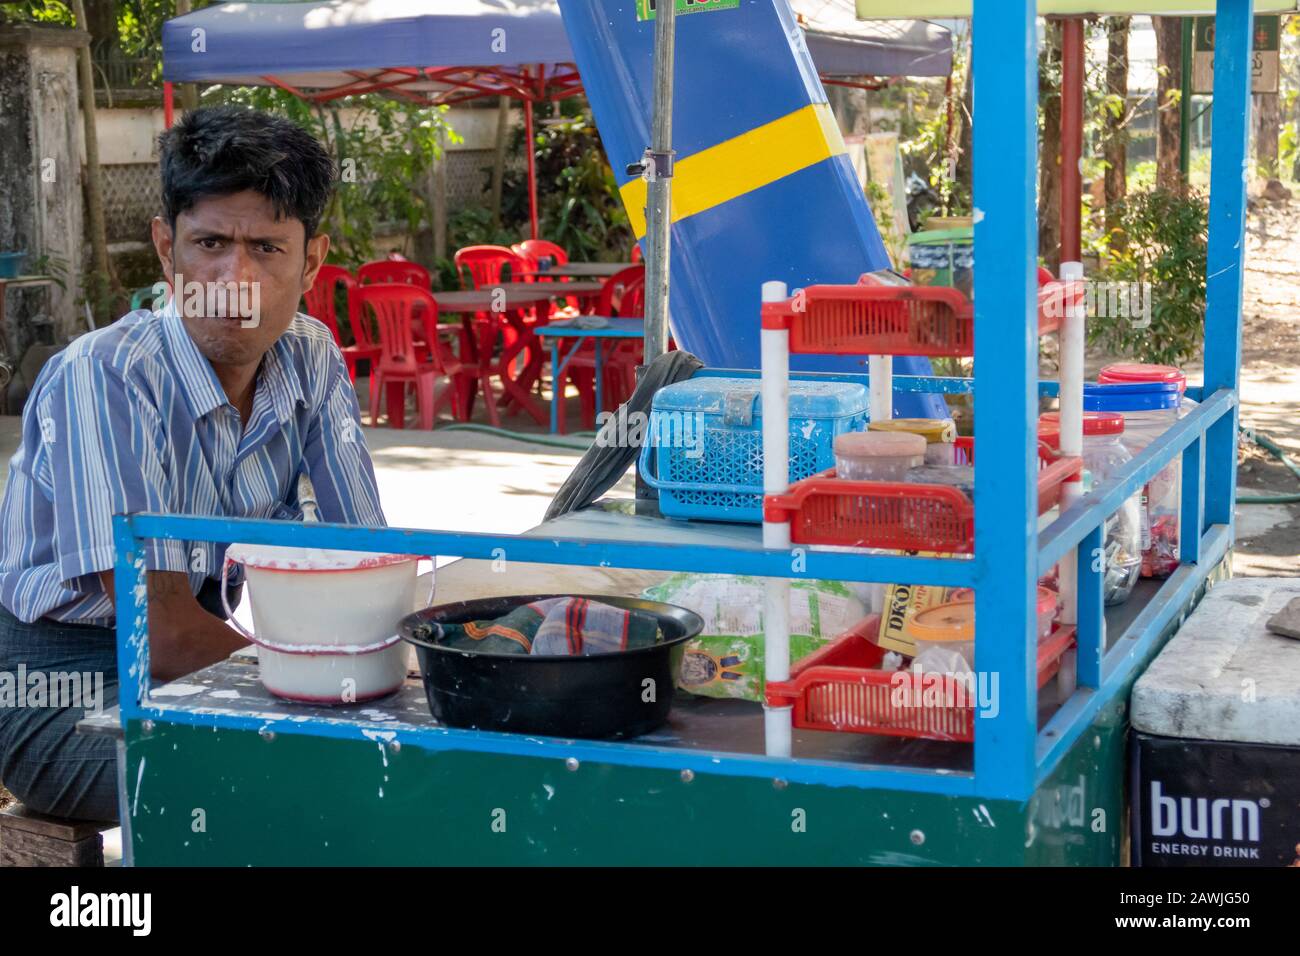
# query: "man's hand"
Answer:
x=183 y=637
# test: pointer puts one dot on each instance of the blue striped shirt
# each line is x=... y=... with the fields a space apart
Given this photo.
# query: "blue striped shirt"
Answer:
x=132 y=418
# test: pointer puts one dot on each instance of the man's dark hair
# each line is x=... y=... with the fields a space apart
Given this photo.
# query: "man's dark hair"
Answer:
x=221 y=150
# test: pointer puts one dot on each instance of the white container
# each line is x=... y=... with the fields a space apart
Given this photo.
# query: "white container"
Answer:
x=944 y=637
x=1104 y=453
x=1048 y=607
x=326 y=622
x=877 y=456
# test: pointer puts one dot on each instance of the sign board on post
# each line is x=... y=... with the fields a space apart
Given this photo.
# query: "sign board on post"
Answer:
x=1267 y=46
x=645 y=9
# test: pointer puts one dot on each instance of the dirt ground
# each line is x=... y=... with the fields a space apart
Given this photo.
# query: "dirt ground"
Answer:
x=1269 y=535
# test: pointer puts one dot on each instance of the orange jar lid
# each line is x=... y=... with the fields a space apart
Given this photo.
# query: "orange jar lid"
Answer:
x=954 y=621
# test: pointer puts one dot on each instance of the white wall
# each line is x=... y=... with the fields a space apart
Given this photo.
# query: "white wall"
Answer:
x=129 y=136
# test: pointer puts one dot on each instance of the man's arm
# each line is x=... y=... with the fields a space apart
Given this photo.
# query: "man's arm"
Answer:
x=336 y=458
x=183 y=637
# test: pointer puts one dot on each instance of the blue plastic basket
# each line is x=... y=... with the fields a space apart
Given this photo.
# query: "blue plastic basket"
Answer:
x=11 y=264
x=705 y=437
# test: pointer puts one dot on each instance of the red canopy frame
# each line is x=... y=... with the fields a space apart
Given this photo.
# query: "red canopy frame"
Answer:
x=529 y=84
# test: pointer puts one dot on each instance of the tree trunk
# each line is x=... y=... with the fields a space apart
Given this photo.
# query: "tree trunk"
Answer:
x=95 y=225
x=438 y=200
x=189 y=92
x=1116 y=132
x=1169 y=54
x=499 y=157
x=101 y=24
x=1267 y=119
x=965 y=142
x=1049 y=153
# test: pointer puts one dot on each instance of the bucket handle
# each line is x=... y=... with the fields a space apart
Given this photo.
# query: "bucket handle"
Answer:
x=325 y=650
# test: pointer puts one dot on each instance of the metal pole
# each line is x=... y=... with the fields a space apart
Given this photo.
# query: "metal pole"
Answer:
x=531 y=150
x=659 y=172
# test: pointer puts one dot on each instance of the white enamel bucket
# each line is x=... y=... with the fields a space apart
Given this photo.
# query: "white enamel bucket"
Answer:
x=326 y=622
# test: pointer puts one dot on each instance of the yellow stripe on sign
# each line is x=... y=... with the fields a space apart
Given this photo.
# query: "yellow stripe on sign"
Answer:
x=743 y=164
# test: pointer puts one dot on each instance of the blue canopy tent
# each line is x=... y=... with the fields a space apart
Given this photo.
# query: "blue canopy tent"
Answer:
x=467 y=49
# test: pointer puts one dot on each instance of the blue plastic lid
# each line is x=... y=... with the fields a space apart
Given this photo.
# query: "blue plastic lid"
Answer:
x=717 y=395
x=1135 y=397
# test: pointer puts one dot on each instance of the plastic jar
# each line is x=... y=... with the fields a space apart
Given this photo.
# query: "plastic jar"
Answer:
x=877 y=456
x=1150 y=409
x=939 y=435
x=1104 y=453
x=1049 y=607
x=945 y=638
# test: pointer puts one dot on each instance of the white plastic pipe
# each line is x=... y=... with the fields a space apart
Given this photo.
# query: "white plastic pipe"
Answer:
x=778 y=722
x=775 y=384
x=881 y=370
x=1073 y=322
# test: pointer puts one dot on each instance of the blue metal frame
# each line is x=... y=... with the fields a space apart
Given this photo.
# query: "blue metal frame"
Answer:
x=1011 y=756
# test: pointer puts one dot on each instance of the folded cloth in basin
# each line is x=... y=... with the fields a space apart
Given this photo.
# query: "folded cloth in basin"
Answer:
x=556 y=627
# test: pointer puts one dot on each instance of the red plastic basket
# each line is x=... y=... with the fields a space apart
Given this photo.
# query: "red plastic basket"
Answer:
x=841 y=688
x=895 y=320
x=876 y=320
x=899 y=516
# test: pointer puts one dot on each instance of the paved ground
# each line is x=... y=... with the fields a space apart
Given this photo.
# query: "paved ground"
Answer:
x=458 y=481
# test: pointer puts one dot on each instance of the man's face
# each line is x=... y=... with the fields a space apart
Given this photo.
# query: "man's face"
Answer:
x=236 y=243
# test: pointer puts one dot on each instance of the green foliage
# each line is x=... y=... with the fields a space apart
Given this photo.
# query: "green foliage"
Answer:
x=472 y=226
x=384 y=150
x=52 y=265
x=881 y=202
x=139 y=25
x=1160 y=241
x=48 y=12
x=579 y=207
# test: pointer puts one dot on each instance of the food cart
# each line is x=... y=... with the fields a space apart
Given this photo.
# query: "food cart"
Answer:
x=215 y=771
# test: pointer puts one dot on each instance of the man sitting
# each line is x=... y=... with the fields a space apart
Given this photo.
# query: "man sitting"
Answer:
x=202 y=407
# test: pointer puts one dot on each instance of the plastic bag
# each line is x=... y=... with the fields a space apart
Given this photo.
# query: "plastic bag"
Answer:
x=726 y=660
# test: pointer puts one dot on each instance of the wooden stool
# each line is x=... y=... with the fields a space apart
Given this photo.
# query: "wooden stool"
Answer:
x=28 y=838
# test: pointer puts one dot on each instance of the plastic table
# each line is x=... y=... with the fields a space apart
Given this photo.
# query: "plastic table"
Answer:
x=490 y=306
x=583 y=270
x=616 y=329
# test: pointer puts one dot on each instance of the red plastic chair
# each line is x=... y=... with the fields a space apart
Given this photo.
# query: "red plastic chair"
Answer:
x=398 y=310
x=636 y=252
x=321 y=304
x=404 y=272
x=532 y=252
x=623 y=295
x=388 y=270
x=538 y=249
x=486 y=265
